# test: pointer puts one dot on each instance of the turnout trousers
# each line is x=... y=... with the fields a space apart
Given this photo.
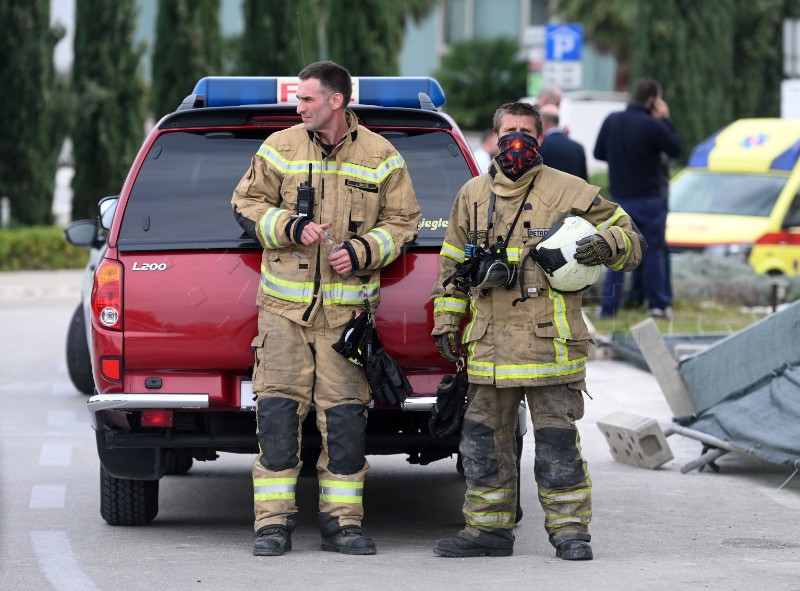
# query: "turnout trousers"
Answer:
x=489 y=452
x=296 y=367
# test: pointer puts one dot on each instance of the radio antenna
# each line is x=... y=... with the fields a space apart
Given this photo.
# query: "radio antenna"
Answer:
x=300 y=35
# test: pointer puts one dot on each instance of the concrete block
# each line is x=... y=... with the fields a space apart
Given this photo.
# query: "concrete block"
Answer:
x=635 y=440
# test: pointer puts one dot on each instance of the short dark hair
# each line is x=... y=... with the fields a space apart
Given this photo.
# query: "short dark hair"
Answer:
x=646 y=88
x=520 y=109
x=332 y=78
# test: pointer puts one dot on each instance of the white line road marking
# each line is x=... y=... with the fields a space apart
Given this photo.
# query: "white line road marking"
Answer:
x=61 y=418
x=48 y=496
x=63 y=389
x=55 y=454
x=58 y=562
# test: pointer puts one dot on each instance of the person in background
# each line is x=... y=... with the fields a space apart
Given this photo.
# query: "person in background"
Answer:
x=632 y=142
x=550 y=94
x=487 y=150
x=558 y=150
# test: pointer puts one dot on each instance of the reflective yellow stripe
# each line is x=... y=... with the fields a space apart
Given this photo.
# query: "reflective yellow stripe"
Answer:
x=513 y=254
x=341 y=491
x=386 y=250
x=267 y=226
x=624 y=259
x=574 y=496
x=292 y=291
x=538 y=370
x=491 y=519
x=376 y=175
x=450 y=305
x=618 y=213
x=500 y=495
x=340 y=293
x=560 y=322
x=451 y=252
x=271 y=489
x=556 y=520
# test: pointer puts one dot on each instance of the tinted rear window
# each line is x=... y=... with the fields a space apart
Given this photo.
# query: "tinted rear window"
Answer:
x=181 y=197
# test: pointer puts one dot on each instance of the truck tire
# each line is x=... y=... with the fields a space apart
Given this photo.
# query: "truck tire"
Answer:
x=176 y=464
x=79 y=362
x=127 y=502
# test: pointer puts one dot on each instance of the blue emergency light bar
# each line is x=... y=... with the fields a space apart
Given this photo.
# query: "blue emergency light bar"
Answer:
x=384 y=91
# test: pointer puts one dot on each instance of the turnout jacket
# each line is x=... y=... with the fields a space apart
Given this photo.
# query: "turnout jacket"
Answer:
x=542 y=340
x=362 y=187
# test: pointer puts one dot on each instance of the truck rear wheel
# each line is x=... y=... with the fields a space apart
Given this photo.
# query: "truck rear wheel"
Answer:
x=176 y=464
x=127 y=502
x=79 y=361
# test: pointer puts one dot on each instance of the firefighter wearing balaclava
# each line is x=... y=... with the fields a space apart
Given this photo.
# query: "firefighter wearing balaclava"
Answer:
x=524 y=338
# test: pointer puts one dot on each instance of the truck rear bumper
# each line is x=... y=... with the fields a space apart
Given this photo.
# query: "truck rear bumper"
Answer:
x=101 y=402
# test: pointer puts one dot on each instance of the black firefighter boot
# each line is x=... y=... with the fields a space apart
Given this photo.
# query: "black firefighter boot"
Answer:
x=272 y=540
x=345 y=539
x=465 y=546
x=574 y=550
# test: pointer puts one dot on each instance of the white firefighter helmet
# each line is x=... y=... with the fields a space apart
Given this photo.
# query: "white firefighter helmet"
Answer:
x=556 y=255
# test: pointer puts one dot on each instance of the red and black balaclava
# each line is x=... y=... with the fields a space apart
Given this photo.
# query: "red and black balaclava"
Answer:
x=519 y=152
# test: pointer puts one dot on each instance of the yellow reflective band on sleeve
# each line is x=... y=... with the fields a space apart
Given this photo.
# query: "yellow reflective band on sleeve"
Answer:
x=555 y=520
x=341 y=491
x=271 y=489
x=450 y=305
x=451 y=252
x=291 y=291
x=498 y=519
x=559 y=498
x=386 y=250
x=267 y=226
x=627 y=252
x=500 y=495
x=618 y=213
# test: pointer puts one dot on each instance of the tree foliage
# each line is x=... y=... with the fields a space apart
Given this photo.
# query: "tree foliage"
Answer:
x=478 y=76
x=188 y=47
x=279 y=38
x=373 y=35
x=110 y=99
x=32 y=110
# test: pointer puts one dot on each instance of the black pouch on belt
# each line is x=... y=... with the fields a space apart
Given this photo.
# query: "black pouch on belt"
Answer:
x=451 y=401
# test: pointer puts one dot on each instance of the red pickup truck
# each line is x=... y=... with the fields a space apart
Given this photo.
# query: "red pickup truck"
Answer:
x=172 y=310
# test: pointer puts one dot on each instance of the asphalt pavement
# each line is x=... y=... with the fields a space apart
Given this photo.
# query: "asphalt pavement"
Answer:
x=736 y=529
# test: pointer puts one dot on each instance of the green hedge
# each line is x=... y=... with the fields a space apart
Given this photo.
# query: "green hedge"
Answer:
x=39 y=247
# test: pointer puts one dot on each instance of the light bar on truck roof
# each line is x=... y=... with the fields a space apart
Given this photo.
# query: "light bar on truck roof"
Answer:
x=384 y=91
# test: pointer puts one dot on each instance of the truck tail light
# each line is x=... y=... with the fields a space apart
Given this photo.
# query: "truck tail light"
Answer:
x=111 y=368
x=107 y=294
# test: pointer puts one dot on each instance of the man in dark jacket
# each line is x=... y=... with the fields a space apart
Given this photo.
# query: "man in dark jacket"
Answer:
x=632 y=142
x=558 y=150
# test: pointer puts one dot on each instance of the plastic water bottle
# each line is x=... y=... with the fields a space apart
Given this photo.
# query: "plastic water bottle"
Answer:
x=333 y=247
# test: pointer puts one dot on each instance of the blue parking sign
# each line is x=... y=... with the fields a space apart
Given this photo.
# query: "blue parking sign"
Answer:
x=563 y=42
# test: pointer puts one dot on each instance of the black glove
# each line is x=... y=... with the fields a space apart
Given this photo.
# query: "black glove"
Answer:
x=592 y=250
x=448 y=412
x=387 y=382
x=352 y=343
x=449 y=345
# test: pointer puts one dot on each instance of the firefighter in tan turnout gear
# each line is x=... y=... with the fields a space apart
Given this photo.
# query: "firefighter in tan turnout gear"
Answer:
x=526 y=335
x=325 y=182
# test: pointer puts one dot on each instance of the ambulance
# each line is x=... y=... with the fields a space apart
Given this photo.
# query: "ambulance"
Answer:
x=739 y=195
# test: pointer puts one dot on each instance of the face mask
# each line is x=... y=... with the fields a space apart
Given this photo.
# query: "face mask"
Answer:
x=519 y=152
